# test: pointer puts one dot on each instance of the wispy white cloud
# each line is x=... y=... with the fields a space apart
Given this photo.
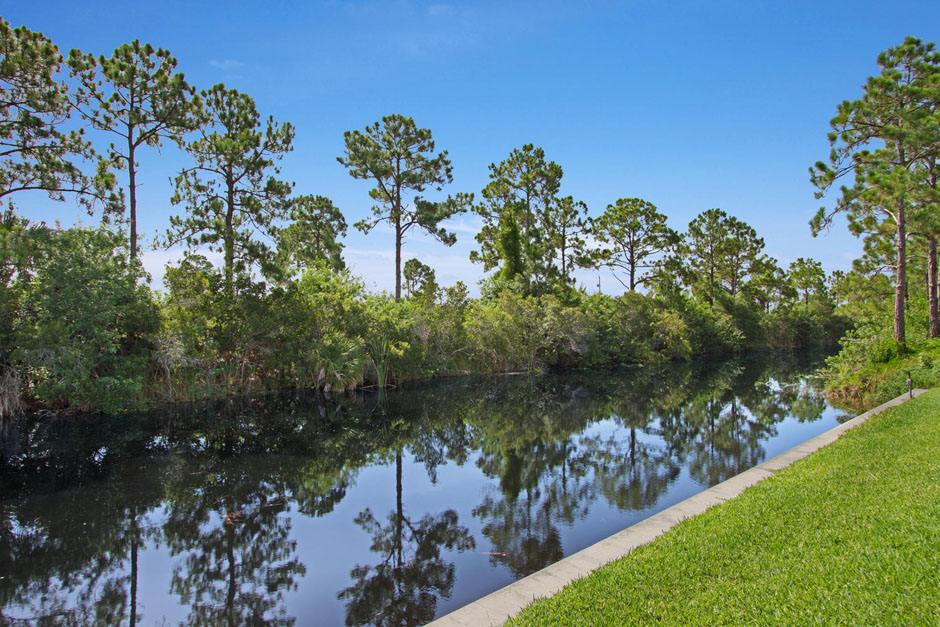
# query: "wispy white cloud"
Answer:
x=226 y=65
x=372 y=253
x=462 y=226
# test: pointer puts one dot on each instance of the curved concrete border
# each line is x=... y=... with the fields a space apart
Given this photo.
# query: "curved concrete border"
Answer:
x=497 y=607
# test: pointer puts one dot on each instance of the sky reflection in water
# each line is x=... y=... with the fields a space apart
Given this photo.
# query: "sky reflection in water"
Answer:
x=370 y=509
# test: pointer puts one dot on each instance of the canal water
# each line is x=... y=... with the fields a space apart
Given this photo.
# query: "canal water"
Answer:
x=386 y=509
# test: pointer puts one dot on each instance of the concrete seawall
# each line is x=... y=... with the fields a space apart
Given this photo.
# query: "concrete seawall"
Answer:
x=498 y=606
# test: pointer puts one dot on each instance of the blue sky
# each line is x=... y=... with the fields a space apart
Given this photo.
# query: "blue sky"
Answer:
x=689 y=105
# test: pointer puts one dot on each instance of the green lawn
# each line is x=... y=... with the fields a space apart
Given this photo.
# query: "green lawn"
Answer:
x=848 y=536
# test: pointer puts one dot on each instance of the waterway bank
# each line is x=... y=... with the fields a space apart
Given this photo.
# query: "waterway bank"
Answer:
x=846 y=534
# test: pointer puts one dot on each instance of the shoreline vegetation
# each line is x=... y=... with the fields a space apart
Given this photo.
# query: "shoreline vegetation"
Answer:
x=326 y=333
x=82 y=329
x=846 y=535
x=130 y=348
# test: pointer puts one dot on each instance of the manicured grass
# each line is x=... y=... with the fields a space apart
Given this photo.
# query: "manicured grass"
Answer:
x=848 y=536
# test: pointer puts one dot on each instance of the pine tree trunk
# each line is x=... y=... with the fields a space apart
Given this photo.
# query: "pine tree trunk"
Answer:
x=132 y=190
x=932 y=292
x=632 y=273
x=398 y=259
x=229 y=236
x=901 y=281
x=398 y=242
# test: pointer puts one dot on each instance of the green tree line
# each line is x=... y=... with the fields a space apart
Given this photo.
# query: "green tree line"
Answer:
x=81 y=328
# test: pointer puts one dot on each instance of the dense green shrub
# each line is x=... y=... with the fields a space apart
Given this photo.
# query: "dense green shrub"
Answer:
x=622 y=327
x=188 y=345
x=712 y=331
x=87 y=323
x=441 y=330
x=89 y=333
x=564 y=335
x=794 y=326
x=504 y=333
x=669 y=339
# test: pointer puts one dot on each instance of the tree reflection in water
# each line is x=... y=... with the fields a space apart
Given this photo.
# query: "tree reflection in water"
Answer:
x=218 y=488
x=226 y=521
x=72 y=558
x=525 y=431
x=404 y=587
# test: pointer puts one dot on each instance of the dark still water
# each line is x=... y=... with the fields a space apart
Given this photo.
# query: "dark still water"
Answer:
x=365 y=509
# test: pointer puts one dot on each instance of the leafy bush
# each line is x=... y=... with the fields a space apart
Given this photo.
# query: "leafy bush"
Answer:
x=564 y=332
x=88 y=323
x=504 y=333
x=794 y=326
x=712 y=331
x=670 y=336
x=442 y=332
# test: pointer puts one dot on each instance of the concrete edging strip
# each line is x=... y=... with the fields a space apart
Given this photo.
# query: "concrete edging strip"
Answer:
x=496 y=607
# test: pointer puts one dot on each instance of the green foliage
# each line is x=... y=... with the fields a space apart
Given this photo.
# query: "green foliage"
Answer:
x=869 y=342
x=192 y=298
x=326 y=331
x=87 y=323
x=567 y=228
x=399 y=157
x=35 y=152
x=21 y=245
x=861 y=297
x=535 y=236
x=137 y=95
x=337 y=300
x=316 y=225
x=807 y=276
x=722 y=253
x=230 y=194
x=338 y=361
x=886 y=141
x=189 y=343
x=503 y=333
x=622 y=327
x=818 y=323
x=565 y=334
x=420 y=280
x=637 y=238
x=495 y=284
x=389 y=343
x=711 y=330
x=746 y=318
x=670 y=336
x=769 y=286
x=870 y=369
x=219 y=330
x=441 y=330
